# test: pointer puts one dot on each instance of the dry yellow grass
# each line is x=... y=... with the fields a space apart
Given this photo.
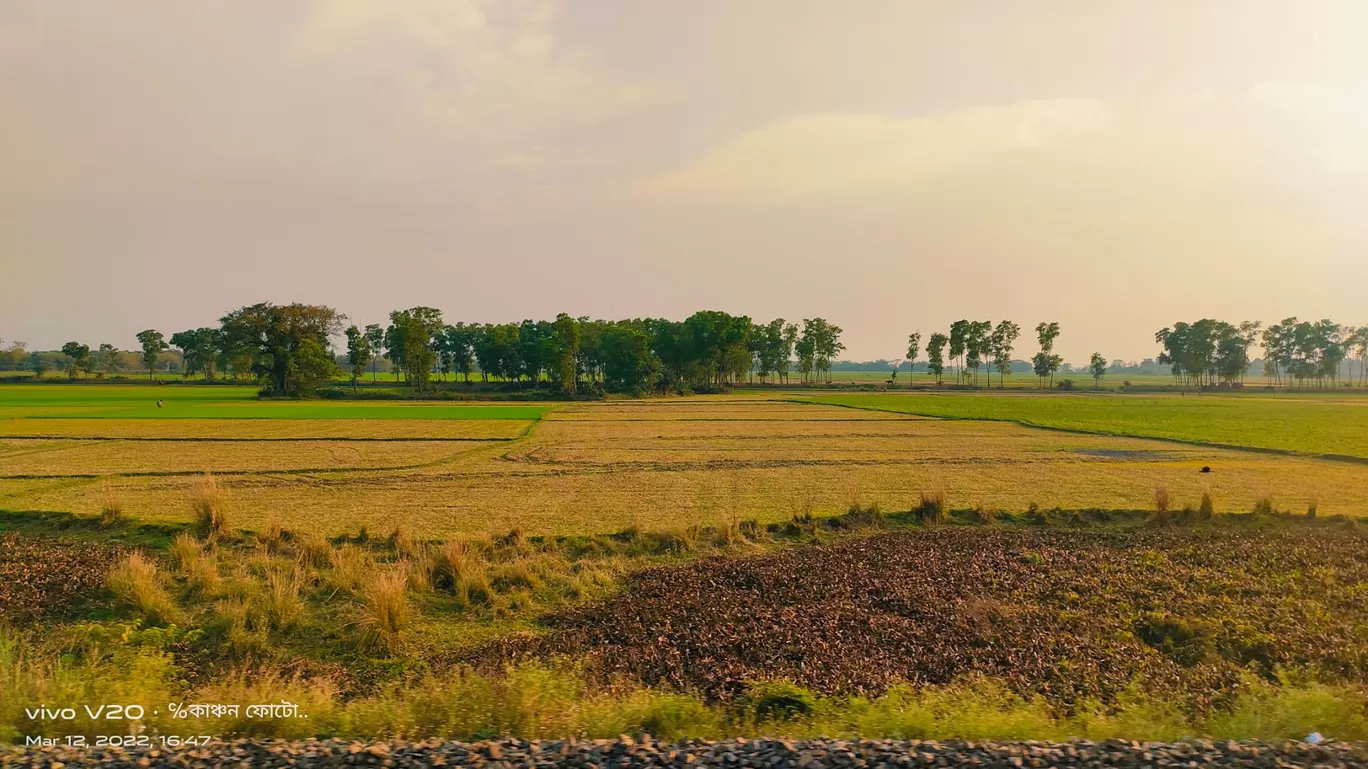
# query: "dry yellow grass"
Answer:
x=118 y=457
x=584 y=471
x=264 y=429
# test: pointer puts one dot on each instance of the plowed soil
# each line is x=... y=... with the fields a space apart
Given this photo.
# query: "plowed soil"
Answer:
x=1065 y=613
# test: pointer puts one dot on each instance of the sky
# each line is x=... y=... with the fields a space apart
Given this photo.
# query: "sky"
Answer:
x=889 y=165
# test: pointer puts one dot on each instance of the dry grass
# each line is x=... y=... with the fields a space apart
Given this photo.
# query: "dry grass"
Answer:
x=184 y=550
x=111 y=506
x=202 y=575
x=646 y=465
x=1264 y=505
x=312 y=549
x=385 y=610
x=135 y=583
x=266 y=429
x=1207 y=509
x=1162 y=502
x=206 y=504
x=931 y=507
x=281 y=603
x=352 y=567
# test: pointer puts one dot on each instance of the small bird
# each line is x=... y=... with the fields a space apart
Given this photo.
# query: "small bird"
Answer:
x=159 y=404
x=1205 y=470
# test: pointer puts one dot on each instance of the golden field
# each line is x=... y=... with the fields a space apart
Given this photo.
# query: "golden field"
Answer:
x=596 y=467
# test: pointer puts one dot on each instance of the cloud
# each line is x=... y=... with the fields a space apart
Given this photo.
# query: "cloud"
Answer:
x=474 y=69
x=838 y=154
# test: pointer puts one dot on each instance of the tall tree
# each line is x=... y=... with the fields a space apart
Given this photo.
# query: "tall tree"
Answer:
x=358 y=353
x=958 y=331
x=109 y=359
x=80 y=357
x=913 y=350
x=1001 y=343
x=287 y=345
x=566 y=335
x=1098 y=364
x=375 y=340
x=412 y=332
x=1046 y=363
x=935 y=355
x=153 y=344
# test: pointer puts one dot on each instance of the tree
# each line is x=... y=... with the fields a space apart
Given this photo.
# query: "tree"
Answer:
x=410 y=336
x=153 y=344
x=958 y=331
x=790 y=343
x=1045 y=363
x=978 y=345
x=913 y=350
x=1099 y=368
x=565 y=353
x=286 y=346
x=935 y=355
x=1001 y=343
x=375 y=340
x=108 y=359
x=39 y=364
x=80 y=357
x=199 y=350
x=358 y=353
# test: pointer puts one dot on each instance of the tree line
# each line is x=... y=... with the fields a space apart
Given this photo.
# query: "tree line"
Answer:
x=975 y=346
x=289 y=349
x=1210 y=351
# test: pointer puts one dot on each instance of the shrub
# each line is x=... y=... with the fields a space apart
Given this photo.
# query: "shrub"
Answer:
x=1312 y=507
x=930 y=508
x=869 y=515
x=207 y=504
x=273 y=535
x=134 y=583
x=776 y=700
x=1264 y=505
x=981 y=515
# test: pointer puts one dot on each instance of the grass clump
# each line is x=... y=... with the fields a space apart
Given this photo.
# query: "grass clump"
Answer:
x=1162 y=505
x=111 y=507
x=134 y=582
x=1264 y=506
x=351 y=567
x=386 y=610
x=1207 y=509
x=931 y=508
x=206 y=503
x=313 y=550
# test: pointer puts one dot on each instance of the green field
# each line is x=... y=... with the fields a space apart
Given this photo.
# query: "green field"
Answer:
x=223 y=402
x=1310 y=424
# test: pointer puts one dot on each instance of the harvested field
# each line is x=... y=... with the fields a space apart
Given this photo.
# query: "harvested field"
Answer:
x=77 y=458
x=42 y=577
x=264 y=429
x=1067 y=614
x=604 y=467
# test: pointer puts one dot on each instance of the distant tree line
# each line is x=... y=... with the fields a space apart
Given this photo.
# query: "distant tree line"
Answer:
x=289 y=350
x=975 y=346
x=1210 y=351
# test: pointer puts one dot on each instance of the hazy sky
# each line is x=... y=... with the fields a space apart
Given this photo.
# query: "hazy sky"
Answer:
x=891 y=166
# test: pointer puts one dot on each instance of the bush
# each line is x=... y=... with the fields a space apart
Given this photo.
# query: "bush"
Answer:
x=1162 y=502
x=776 y=700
